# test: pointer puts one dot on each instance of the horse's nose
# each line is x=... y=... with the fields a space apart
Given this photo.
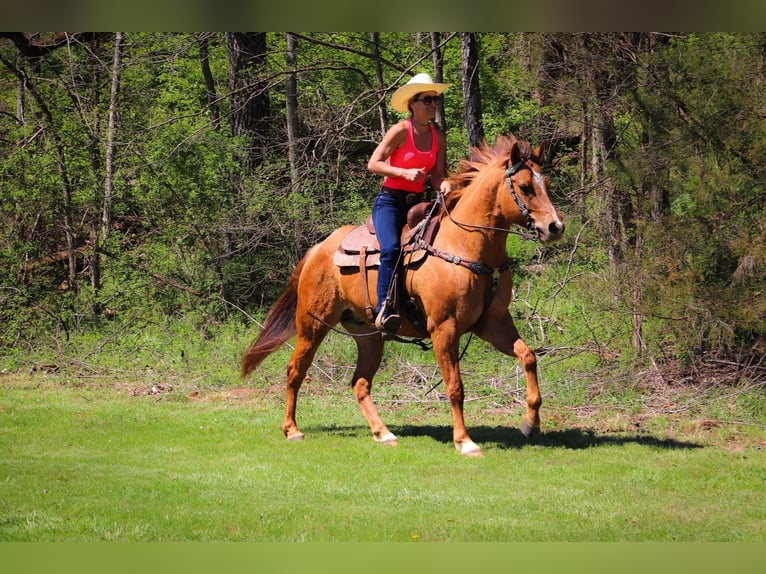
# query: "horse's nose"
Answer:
x=556 y=228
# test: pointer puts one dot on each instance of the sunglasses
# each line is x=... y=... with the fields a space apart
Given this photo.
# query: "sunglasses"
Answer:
x=428 y=100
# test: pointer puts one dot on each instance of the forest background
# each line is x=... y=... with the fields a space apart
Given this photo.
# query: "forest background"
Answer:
x=156 y=179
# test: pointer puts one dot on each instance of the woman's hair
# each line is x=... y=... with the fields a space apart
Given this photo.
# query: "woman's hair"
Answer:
x=412 y=99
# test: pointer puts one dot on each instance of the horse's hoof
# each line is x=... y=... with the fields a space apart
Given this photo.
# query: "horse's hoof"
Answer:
x=528 y=430
x=469 y=448
x=295 y=437
x=388 y=439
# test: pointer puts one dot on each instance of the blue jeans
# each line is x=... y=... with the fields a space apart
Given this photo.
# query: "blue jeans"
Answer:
x=389 y=215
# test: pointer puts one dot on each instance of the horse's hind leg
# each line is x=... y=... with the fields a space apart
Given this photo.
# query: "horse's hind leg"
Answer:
x=296 y=372
x=306 y=344
x=505 y=337
x=370 y=353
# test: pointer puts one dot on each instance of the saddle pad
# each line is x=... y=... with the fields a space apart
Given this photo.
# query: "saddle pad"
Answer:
x=357 y=238
x=347 y=254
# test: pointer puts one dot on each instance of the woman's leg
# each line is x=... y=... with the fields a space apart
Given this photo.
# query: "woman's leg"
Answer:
x=388 y=217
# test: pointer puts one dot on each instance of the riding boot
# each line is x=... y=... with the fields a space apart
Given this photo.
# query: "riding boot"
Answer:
x=388 y=319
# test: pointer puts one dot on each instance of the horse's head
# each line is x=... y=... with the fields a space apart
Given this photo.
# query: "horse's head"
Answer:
x=528 y=187
x=510 y=170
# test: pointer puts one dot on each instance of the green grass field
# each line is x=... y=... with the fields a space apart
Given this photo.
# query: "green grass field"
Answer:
x=125 y=457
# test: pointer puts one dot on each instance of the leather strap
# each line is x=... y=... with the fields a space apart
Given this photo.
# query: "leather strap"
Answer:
x=365 y=285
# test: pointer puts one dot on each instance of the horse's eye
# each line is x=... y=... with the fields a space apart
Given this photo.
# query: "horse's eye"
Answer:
x=528 y=189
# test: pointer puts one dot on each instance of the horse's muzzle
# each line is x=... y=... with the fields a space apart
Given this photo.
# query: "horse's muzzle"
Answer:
x=553 y=232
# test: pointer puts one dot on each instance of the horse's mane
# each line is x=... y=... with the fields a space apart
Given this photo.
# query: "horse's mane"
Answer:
x=481 y=158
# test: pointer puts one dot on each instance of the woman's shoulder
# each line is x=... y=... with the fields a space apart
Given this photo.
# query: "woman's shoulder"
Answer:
x=401 y=126
x=398 y=131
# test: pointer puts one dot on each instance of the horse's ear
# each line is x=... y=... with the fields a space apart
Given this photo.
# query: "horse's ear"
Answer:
x=515 y=153
x=538 y=153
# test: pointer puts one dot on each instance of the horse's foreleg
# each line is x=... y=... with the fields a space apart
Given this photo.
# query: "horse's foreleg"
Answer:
x=445 y=344
x=530 y=422
x=502 y=333
x=370 y=353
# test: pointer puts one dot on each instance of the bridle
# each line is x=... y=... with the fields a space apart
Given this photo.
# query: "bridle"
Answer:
x=512 y=170
x=479 y=267
x=525 y=213
x=476 y=267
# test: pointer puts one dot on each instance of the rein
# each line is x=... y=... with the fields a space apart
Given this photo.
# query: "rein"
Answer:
x=512 y=170
x=479 y=267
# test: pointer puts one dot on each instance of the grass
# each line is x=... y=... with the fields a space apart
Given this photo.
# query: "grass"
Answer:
x=146 y=433
x=136 y=458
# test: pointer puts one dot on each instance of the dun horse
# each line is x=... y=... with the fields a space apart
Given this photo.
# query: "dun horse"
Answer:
x=462 y=285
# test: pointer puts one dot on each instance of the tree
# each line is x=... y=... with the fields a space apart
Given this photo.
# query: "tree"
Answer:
x=471 y=90
x=249 y=92
x=212 y=98
x=375 y=48
x=657 y=144
x=33 y=50
x=101 y=231
x=291 y=108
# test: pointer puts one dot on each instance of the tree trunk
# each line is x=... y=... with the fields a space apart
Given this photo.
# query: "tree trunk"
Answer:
x=375 y=42
x=212 y=98
x=638 y=301
x=20 y=94
x=249 y=92
x=114 y=102
x=583 y=153
x=291 y=109
x=106 y=206
x=436 y=53
x=471 y=93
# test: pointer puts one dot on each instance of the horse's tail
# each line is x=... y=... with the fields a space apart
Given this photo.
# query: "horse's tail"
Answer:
x=278 y=327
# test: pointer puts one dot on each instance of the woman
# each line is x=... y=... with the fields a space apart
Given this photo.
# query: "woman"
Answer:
x=411 y=150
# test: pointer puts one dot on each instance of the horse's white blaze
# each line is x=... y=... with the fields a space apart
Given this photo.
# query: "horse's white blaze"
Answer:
x=540 y=180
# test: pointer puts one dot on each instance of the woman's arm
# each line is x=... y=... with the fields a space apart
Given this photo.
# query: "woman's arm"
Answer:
x=378 y=163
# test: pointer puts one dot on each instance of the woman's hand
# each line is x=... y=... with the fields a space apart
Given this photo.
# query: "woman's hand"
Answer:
x=413 y=174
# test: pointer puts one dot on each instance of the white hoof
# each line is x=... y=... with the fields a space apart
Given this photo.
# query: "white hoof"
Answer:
x=296 y=437
x=388 y=439
x=468 y=448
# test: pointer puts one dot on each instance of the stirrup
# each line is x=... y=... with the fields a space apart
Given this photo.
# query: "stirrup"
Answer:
x=389 y=323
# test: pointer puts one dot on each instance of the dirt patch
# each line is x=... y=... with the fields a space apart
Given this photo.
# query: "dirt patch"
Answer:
x=235 y=395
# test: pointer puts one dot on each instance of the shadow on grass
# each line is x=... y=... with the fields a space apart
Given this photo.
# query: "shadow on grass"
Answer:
x=506 y=437
x=574 y=438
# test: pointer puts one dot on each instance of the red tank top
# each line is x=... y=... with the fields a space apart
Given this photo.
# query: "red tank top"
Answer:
x=408 y=156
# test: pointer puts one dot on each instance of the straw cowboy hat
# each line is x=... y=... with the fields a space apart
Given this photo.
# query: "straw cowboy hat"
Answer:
x=418 y=83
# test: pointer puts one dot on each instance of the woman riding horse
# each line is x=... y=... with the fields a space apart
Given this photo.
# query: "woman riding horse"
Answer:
x=409 y=151
x=464 y=285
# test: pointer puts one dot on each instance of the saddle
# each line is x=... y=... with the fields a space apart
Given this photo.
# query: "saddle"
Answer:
x=360 y=251
x=361 y=247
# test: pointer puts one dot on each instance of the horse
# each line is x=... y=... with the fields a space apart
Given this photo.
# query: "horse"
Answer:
x=464 y=285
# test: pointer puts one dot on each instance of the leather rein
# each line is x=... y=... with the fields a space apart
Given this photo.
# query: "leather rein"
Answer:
x=479 y=267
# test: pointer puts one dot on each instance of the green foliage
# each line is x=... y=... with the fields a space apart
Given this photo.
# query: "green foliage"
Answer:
x=665 y=254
